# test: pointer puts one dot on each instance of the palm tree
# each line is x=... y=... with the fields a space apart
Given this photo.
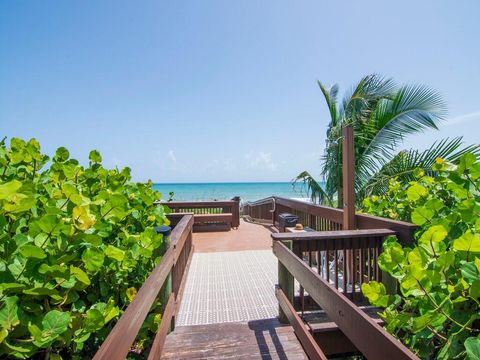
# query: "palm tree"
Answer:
x=382 y=114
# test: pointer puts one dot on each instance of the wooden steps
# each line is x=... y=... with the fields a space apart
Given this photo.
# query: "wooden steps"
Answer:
x=328 y=336
x=318 y=321
x=258 y=339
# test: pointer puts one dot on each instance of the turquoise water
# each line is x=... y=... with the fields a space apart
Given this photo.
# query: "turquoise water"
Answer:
x=225 y=191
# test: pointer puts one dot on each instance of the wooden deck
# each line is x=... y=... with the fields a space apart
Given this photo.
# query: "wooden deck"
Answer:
x=260 y=339
x=248 y=236
x=232 y=278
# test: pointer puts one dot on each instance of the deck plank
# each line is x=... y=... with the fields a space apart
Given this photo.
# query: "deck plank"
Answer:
x=258 y=339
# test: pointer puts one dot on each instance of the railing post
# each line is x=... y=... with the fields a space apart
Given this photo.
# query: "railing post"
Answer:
x=287 y=284
x=348 y=179
x=166 y=289
x=236 y=212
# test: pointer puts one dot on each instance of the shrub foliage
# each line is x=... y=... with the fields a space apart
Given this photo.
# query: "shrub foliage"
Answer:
x=437 y=310
x=75 y=244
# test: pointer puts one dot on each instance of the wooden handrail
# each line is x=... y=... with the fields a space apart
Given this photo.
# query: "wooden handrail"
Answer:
x=198 y=204
x=119 y=342
x=159 y=341
x=332 y=217
x=327 y=235
x=327 y=212
x=201 y=210
x=311 y=348
x=369 y=338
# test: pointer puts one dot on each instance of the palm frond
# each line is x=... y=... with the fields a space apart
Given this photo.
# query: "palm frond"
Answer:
x=316 y=192
x=330 y=96
x=404 y=164
x=362 y=99
x=411 y=110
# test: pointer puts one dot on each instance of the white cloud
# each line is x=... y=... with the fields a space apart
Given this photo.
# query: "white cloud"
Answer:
x=261 y=160
x=463 y=118
x=171 y=156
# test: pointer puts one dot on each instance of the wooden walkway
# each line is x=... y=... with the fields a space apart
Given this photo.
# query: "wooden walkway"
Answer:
x=229 y=309
x=260 y=339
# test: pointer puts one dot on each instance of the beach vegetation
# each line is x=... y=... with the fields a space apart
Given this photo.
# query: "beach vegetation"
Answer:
x=436 y=310
x=76 y=242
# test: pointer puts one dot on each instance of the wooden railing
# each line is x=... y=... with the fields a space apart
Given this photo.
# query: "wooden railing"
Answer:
x=209 y=215
x=175 y=263
x=359 y=329
x=345 y=259
x=322 y=218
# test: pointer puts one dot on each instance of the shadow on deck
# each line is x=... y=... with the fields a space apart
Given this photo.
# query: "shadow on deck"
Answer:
x=258 y=339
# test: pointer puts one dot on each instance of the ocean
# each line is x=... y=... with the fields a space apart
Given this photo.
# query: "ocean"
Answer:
x=248 y=191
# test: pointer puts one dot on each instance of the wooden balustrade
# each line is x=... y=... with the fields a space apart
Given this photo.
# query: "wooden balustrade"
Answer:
x=209 y=215
x=357 y=328
x=345 y=259
x=322 y=218
x=175 y=261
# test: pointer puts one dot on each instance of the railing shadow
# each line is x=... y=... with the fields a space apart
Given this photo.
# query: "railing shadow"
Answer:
x=260 y=327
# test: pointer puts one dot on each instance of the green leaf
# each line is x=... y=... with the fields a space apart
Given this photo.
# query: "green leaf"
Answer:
x=93 y=259
x=475 y=289
x=80 y=275
x=41 y=290
x=53 y=270
x=9 y=189
x=95 y=156
x=469 y=271
x=131 y=293
x=374 y=291
x=466 y=162
x=416 y=191
x=9 y=313
x=436 y=234
x=114 y=253
x=421 y=215
x=32 y=251
x=61 y=155
x=84 y=218
x=3 y=335
x=467 y=242
x=48 y=223
x=11 y=287
x=54 y=324
x=472 y=345
x=94 y=320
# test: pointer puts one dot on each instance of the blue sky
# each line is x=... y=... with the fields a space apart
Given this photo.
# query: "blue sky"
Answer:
x=193 y=91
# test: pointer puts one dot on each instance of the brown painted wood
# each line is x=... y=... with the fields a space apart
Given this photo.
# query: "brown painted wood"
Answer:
x=403 y=229
x=257 y=339
x=324 y=235
x=326 y=212
x=371 y=339
x=318 y=321
x=348 y=168
x=159 y=341
x=198 y=204
x=227 y=217
x=119 y=341
x=306 y=339
x=331 y=218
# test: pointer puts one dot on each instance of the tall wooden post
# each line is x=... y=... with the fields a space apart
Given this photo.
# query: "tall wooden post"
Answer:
x=348 y=179
x=348 y=152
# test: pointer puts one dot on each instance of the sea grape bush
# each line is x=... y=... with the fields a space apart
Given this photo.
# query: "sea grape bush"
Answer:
x=75 y=244
x=437 y=313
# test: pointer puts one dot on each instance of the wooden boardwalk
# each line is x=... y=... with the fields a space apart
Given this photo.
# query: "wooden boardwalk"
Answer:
x=259 y=339
x=229 y=309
